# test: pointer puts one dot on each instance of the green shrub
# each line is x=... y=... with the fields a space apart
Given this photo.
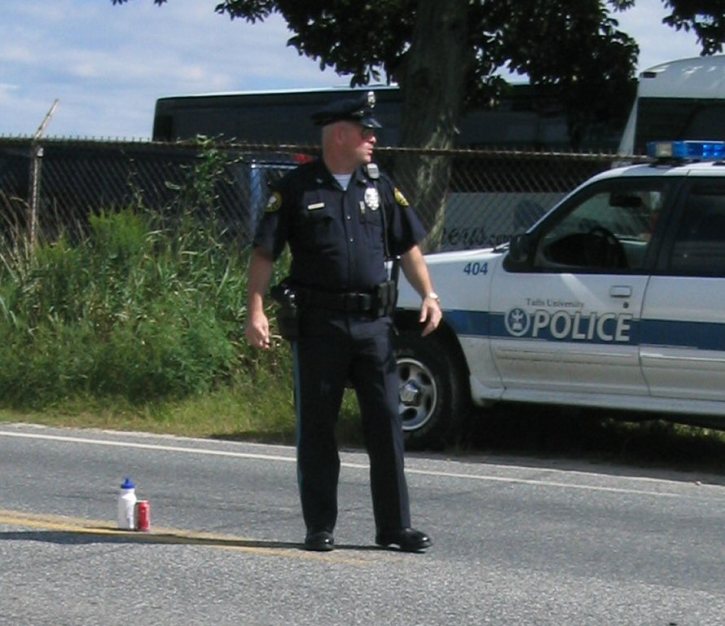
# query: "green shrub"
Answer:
x=133 y=311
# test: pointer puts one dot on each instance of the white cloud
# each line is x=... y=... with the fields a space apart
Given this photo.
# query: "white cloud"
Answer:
x=13 y=53
x=6 y=92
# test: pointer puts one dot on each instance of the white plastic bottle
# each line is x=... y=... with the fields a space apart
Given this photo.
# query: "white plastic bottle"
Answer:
x=126 y=505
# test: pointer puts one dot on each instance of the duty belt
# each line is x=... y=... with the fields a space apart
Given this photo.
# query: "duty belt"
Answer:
x=379 y=301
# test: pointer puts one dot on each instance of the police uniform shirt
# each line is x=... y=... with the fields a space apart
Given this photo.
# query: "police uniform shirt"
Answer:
x=335 y=235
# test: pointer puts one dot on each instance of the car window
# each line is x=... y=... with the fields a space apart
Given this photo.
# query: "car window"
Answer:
x=699 y=246
x=607 y=230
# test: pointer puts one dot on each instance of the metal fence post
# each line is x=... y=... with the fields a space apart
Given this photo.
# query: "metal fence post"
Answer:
x=36 y=155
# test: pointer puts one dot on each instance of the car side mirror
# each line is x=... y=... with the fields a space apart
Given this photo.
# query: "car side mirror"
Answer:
x=519 y=249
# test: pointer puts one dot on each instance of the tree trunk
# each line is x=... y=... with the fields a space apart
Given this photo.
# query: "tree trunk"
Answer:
x=432 y=80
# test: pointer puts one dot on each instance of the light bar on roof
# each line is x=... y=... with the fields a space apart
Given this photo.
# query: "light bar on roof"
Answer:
x=694 y=150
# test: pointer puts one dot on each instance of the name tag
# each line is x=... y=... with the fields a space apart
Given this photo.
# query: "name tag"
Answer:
x=317 y=205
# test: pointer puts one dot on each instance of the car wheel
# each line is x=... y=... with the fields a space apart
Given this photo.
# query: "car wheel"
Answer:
x=430 y=390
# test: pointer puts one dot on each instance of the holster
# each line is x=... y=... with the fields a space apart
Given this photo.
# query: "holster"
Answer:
x=288 y=313
x=385 y=297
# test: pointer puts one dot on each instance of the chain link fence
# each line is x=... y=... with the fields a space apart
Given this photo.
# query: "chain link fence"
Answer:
x=52 y=186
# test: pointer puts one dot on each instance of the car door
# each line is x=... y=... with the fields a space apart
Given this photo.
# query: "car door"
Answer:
x=683 y=330
x=567 y=319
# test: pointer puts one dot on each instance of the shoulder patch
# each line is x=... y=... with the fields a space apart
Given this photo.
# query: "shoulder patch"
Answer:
x=274 y=202
x=400 y=198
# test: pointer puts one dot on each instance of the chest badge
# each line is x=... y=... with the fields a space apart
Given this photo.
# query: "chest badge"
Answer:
x=372 y=199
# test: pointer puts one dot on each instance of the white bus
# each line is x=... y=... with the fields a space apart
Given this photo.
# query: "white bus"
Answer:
x=682 y=99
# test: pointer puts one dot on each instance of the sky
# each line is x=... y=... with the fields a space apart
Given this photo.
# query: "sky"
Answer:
x=106 y=65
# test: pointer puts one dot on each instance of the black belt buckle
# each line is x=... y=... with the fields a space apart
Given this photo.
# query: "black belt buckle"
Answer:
x=358 y=302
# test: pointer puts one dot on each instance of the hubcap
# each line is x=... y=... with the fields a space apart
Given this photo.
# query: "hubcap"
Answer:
x=418 y=393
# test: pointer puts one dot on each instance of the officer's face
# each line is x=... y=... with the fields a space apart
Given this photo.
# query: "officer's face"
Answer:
x=362 y=141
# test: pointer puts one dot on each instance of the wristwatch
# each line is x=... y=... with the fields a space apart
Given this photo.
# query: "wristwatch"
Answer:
x=433 y=296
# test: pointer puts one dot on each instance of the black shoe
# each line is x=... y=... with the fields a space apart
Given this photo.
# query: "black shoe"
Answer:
x=320 y=542
x=407 y=539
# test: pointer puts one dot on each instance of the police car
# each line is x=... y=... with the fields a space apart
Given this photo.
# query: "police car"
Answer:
x=614 y=299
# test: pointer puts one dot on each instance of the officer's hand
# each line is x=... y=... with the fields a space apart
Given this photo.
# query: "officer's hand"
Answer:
x=430 y=315
x=257 y=331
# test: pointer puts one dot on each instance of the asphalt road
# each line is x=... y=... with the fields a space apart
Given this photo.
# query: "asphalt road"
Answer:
x=517 y=541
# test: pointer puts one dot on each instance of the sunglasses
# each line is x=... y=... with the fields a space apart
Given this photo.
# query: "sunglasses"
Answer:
x=367 y=133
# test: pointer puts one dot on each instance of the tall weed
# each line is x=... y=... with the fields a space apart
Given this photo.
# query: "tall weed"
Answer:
x=134 y=310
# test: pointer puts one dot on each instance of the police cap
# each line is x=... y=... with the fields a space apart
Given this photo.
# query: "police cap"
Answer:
x=358 y=110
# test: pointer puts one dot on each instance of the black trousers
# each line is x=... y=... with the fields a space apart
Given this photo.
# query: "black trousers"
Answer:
x=334 y=348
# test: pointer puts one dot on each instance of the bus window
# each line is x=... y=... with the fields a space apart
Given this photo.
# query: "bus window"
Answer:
x=527 y=118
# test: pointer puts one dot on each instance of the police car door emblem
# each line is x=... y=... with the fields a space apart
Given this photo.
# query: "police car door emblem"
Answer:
x=372 y=199
x=517 y=322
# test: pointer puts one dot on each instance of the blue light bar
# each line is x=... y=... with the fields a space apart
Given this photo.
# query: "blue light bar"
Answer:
x=694 y=150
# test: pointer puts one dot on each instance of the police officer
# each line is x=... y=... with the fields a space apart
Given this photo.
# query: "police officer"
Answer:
x=341 y=219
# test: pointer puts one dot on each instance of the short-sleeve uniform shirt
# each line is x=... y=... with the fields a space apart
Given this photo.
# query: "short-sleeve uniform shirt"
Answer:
x=336 y=236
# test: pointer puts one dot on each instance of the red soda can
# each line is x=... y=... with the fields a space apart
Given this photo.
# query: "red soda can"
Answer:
x=142 y=515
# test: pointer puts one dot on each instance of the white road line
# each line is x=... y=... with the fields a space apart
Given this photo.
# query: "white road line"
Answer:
x=363 y=466
x=148 y=446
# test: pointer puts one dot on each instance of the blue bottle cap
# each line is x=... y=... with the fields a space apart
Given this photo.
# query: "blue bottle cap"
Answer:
x=128 y=484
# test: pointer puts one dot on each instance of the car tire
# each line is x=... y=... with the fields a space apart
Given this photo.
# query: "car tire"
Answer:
x=431 y=389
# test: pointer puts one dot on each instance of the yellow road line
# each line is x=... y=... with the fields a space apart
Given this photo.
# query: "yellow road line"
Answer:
x=81 y=526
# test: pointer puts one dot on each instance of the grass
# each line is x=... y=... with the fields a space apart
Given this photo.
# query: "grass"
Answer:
x=138 y=326
x=262 y=414
x=228 y=413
